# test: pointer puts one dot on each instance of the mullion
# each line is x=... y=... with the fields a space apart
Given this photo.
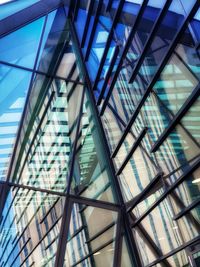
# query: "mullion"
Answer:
x=94 y=26
x=155 y=77
x=124 y=52
x=86 y=27
x=109 y=72
x=47 y=75
x=187 y=209
x=131 y=243
x=151 y=37
x=108 y=42
x=118 y=242
x=132 y=150
x=108 y=7
x=77 y=3
x=133 y=203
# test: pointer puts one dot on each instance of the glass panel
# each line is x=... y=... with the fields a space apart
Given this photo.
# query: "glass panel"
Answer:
x=48 y=155
x=27 y=219
x=20 y=47
x=97 y=50
x=14 y=85
x=188 y=191
x=175 y=85
x=137 y=174
x=125 y=257
x=178 y=149
x=149 y=200
x=91 y=171
x=57 y=35
x=147 y=253
x=81 y=17
x=167 y=234
x=87 y=237
x=12 y=7
x=113 y=128
x=191 y=120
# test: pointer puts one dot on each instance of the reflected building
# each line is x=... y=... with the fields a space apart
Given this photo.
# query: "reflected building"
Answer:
x=100 y=133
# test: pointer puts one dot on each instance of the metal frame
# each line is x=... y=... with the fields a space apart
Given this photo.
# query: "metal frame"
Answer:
x=151 y=37
x=91 y=38
x=124 y=52
x=132 y=150
x=108 y=41
x=183 y=110
x=26 y=15
x=108 y=74
x=188 y=172
x=85 y=31
x=134 y=252
x=126 y=219
x=155 y=77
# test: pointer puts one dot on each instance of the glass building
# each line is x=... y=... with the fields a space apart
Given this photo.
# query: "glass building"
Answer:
x=100 y=133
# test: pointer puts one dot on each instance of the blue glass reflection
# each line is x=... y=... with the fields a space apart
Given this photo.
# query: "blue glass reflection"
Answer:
x=13 y=90
x=20 y=47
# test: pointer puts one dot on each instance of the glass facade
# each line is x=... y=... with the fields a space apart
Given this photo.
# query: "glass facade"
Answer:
x=100 y=133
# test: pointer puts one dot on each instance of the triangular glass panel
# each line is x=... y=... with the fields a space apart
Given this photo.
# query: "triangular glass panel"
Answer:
x=20 y=47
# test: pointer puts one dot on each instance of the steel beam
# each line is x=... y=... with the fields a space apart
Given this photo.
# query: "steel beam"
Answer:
x=124 y=52
x=155 y=77
x=28 y=14
x=152 y=35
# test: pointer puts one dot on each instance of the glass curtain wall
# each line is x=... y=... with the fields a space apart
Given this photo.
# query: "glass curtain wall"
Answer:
x=100 y=134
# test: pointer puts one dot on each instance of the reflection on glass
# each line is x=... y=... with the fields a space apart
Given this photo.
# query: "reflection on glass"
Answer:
x=20 y=47
x=176 y=150
x=28 y=217
x=91 y=173
x=47 y=164
x=14 y=85
x=167 y=234
x=191 y=120
x=137 y=173
x=175 y=85
x=90 y=229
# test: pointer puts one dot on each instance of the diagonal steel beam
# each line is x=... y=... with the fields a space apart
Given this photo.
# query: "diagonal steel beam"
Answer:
x=26 y=15
x=155 y=77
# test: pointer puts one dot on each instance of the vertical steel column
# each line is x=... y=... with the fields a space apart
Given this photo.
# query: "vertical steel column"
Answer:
x=127 y=229
x=60 y=254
